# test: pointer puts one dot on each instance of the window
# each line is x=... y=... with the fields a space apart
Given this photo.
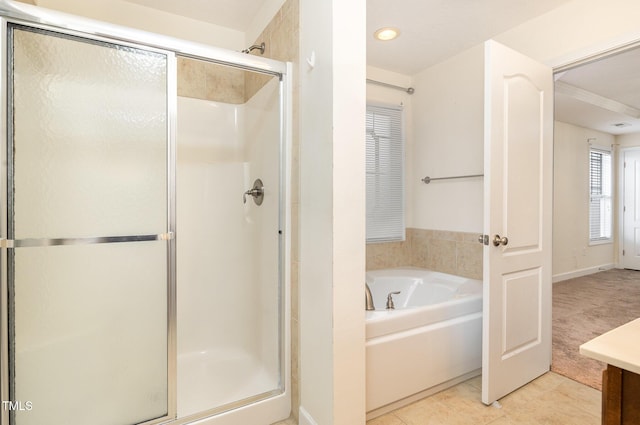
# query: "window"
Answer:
x=600 y=195
x=385 y=174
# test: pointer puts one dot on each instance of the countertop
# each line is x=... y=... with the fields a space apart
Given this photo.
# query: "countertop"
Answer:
x=619 y=347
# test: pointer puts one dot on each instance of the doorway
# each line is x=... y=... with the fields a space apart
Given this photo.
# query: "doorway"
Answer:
x=596 y=114
x=596 y=111
x=630 y=200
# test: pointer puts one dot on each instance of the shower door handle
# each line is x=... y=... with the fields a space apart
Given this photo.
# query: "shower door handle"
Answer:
x=257 y=192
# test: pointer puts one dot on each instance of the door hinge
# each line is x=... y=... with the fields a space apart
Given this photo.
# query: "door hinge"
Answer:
x=623 y=252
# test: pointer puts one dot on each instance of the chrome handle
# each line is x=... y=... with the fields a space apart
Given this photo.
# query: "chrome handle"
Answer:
x=257 y=192
x=497 y=240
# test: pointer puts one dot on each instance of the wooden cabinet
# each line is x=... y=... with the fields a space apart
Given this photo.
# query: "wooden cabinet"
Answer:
x=620 y=350
x=620 y=397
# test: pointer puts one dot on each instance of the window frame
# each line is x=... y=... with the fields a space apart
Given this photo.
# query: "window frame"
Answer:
x=606 y=220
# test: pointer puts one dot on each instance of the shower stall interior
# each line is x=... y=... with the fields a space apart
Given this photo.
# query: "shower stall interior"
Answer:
x=144 y=244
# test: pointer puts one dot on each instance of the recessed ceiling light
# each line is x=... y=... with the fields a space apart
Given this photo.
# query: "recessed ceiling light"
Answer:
x=386 y=33
x=621 y=124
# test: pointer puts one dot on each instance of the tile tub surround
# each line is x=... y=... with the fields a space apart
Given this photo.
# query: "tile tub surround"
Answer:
x=457 y=253
x=210 y=81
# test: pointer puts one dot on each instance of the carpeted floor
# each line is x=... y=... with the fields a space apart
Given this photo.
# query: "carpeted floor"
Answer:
x=584 y=308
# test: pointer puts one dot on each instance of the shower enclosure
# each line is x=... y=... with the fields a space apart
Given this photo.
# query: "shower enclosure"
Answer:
x=144 y=271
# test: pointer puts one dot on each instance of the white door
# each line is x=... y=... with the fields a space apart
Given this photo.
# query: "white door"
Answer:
x=631 y=221
x=518 y=212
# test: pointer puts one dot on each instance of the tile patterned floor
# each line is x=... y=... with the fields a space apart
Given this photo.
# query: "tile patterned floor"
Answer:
x=551 y=399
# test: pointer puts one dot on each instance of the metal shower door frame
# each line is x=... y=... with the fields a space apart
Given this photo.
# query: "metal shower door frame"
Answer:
x=6 y=216
x=32 y=16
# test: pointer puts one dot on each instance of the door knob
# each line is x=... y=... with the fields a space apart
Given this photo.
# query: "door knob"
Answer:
x=497 y=240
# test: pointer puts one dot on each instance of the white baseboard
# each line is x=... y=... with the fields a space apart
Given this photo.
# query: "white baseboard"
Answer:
x=305 y=418
x=582 y=272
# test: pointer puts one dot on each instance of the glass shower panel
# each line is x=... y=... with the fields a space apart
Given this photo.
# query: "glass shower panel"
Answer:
x=90 y=334
x=229 y=288
x=88 y=167
x=90 y=130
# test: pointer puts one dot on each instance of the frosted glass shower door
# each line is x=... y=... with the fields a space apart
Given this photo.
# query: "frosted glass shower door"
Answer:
x=88 y=230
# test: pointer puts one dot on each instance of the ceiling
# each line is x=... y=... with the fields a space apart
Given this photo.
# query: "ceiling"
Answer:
x=603 y=95
x=234 y=14
x=434 y=30
x=598 y=95
x=431 y=30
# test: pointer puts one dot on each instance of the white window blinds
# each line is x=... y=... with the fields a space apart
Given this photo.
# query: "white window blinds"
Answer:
x=600 y=216
x=385 y=174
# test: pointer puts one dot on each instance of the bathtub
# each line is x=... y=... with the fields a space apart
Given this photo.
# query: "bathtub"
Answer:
x=431 y=340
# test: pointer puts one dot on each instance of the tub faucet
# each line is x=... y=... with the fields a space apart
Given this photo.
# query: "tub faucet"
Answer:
x=368 y=298
x=390 y=305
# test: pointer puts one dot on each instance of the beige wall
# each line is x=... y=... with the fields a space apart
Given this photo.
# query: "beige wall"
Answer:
x=628 y=140
x=448 y=141
x=572 y=253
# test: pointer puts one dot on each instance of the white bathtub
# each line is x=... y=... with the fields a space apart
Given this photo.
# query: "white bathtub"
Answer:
x=431 y=340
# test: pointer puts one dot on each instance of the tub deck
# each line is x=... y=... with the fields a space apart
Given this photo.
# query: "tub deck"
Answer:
x=415 y=349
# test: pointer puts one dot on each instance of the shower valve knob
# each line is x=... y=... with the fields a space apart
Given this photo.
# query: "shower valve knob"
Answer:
x=256 y=192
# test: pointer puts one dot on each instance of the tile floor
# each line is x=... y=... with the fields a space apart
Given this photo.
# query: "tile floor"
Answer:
x=289 y=421
x=551 y=399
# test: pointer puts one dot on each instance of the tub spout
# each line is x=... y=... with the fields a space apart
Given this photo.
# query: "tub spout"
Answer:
x=390 y=305
x=368 y=298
